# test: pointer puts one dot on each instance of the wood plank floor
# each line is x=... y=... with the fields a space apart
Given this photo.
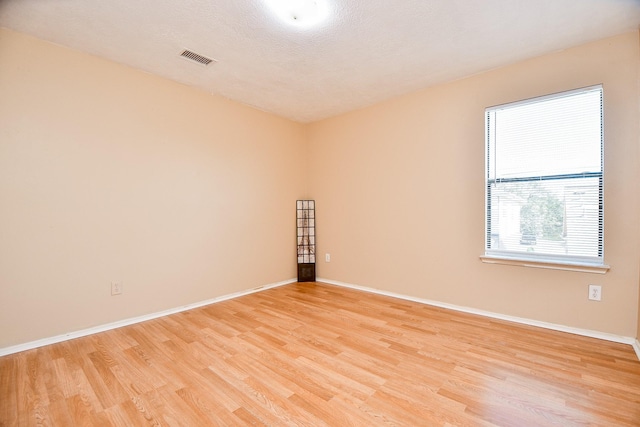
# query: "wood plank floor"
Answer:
x=317 y=355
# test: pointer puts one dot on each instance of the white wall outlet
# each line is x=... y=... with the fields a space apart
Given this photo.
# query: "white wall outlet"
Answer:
x=595 y=292
x=116 y=288
x=327 y=257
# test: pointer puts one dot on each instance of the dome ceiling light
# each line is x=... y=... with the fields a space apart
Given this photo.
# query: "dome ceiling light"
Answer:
x=300 y=13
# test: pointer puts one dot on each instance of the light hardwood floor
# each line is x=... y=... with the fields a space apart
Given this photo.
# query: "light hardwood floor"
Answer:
x=316 y=355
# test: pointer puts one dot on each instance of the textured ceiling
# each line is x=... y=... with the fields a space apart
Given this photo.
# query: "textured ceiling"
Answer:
x=367 y=51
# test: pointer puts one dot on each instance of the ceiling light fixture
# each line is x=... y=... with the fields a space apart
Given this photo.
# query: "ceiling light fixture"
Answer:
x=300 y=13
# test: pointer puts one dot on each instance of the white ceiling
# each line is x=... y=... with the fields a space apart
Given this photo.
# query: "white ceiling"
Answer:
x=367 y=51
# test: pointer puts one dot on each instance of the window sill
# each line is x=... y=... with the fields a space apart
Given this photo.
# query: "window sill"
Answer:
x=582 y=268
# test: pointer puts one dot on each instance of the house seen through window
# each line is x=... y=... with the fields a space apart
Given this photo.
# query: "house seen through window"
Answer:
x=544 y=178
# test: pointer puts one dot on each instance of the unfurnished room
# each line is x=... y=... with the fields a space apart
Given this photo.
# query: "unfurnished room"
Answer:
x=320 y=213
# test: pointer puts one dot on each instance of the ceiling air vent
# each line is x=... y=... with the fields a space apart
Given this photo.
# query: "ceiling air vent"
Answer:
x=192 y=56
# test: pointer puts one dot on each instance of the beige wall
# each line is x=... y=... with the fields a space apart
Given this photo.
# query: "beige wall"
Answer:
x=108 y=173
x=400 y=193
x=638 y=238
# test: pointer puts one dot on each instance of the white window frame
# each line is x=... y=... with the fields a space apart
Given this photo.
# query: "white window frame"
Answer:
x=544 y=260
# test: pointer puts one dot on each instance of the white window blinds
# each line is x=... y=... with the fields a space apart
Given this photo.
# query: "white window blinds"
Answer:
x=544 y=171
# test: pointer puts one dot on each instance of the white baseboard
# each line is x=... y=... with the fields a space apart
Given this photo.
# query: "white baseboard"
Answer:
x=561 y=328
x=126 y=322
x=636 y=347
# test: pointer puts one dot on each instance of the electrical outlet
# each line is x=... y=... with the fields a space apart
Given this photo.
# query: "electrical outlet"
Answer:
x=327 y=257
x=116 y=288
x=595 y=292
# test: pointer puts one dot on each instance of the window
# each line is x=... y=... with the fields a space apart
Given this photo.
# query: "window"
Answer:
x=544 y=171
